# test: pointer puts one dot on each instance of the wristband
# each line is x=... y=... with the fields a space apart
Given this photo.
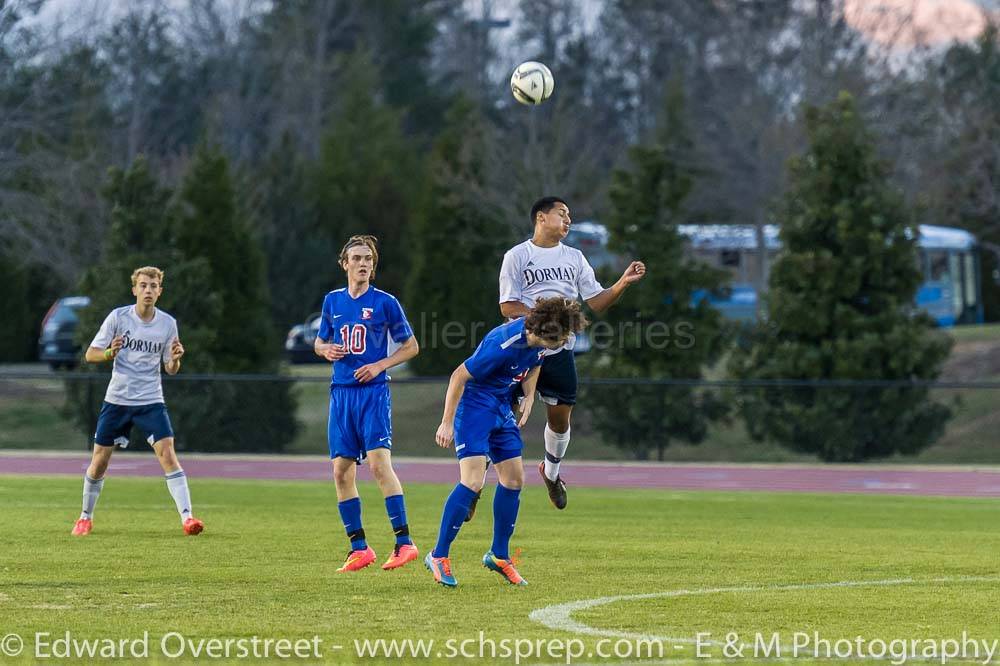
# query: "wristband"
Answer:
x=108 y=354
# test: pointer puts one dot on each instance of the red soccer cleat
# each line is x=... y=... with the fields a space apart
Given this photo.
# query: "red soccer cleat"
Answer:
x=83 y=527
x=357 y=560
x=193 y=526
x=401 y=554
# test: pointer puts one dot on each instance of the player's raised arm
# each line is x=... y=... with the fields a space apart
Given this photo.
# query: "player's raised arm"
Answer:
x=173 y=363
x=604 y=300
x=456 y=386
x=105 y=345
x=100 y=355
x=511 y=288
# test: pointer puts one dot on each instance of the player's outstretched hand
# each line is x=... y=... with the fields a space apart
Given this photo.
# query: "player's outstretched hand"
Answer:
x=445 y=435
x=176 y=349
x=634 y=272
x=334 y=352
x=366 y=373
x=525 y=411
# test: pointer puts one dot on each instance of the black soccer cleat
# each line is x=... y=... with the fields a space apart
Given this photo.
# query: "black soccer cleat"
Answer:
x=472 y=507
x=557 y=488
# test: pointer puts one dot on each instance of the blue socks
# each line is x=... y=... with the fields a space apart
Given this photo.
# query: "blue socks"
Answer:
x=455 y=509
x=350 y=513
x=505 y=505
x=396 y=509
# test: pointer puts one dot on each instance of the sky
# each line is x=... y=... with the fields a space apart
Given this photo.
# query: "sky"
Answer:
x=907 y=23
x=933 y=23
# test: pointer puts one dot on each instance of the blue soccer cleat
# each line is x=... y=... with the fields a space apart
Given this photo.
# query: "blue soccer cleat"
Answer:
x=441 y=568
x=503 y=567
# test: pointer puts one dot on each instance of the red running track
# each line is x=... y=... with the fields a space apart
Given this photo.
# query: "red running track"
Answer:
x=889 y=480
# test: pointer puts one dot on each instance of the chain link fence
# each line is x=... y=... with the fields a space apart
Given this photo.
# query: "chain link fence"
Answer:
x=44 y=410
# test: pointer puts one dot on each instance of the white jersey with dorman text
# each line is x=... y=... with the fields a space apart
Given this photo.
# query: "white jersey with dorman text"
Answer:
x=530 y=272
x=135 y=377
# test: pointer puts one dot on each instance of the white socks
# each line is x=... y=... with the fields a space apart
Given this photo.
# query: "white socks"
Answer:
x=91 y=491
x=177 y=484
x=556 y=444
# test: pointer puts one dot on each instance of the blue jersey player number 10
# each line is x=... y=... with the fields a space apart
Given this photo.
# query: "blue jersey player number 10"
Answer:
x=357 y=326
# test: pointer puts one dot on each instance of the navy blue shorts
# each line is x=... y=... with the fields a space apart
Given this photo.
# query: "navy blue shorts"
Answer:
x=485 y=427
x=115 y=423
x=360 y=420
x=556 y=380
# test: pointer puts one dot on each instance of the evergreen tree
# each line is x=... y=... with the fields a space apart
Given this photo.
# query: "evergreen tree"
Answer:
x=663 y=327
x=457 y=243
x=841 y=307
x=368 y=180
x=212 y=231
x=298 y=248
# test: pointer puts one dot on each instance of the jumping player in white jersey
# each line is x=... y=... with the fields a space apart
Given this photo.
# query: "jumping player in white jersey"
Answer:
x=137 y=339
x=543 y=267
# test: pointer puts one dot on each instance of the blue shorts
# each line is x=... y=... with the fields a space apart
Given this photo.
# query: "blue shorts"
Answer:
x=360 y=420
x=485 y=426
x=115 y=423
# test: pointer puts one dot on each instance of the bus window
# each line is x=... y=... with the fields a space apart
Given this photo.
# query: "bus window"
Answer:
x=729 y=258
x=938 y=266
x=955 y=272
x=970 y=279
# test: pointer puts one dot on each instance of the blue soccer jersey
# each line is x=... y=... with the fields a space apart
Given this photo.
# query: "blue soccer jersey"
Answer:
x=502 y=360
x=364 y=325
x=484 y=422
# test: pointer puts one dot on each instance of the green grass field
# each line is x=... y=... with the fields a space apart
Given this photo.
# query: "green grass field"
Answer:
x=265 y=567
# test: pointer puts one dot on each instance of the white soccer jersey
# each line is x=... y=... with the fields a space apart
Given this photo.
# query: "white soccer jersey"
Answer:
x=530 y=272
x=135 y=377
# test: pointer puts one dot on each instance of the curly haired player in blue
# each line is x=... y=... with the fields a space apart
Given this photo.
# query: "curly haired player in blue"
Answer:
x=479 y=421
x=357 y=325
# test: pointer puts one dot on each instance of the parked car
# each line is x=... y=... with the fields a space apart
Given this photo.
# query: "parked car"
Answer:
x=57 y=343
x=299 y=343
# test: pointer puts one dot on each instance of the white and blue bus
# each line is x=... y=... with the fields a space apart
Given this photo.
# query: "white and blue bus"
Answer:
x=949 y=261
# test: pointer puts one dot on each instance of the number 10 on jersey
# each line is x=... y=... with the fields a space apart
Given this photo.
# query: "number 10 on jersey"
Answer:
x=354 y=338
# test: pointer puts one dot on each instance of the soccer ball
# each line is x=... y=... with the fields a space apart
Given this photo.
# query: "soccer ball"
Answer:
x=531 y=83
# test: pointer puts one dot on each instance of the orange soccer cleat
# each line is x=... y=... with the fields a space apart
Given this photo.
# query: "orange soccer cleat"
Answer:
x=503 y=567
x=401 y=554
x=357 y=560
x=193 y=526
x=83 y=527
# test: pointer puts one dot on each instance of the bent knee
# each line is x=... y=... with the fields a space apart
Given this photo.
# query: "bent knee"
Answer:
x=475 y=485
x=381 y=470
x=512 y=484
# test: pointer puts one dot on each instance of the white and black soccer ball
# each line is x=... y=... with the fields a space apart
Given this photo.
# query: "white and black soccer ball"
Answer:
x=531 y=83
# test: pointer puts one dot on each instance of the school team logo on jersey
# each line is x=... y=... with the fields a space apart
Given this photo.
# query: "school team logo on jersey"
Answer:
x=366 y=313
x=555 y=274
x=128 y=342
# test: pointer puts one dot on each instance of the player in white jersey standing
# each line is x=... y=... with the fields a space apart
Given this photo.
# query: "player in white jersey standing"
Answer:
x=137 y=338
x=543 y=267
